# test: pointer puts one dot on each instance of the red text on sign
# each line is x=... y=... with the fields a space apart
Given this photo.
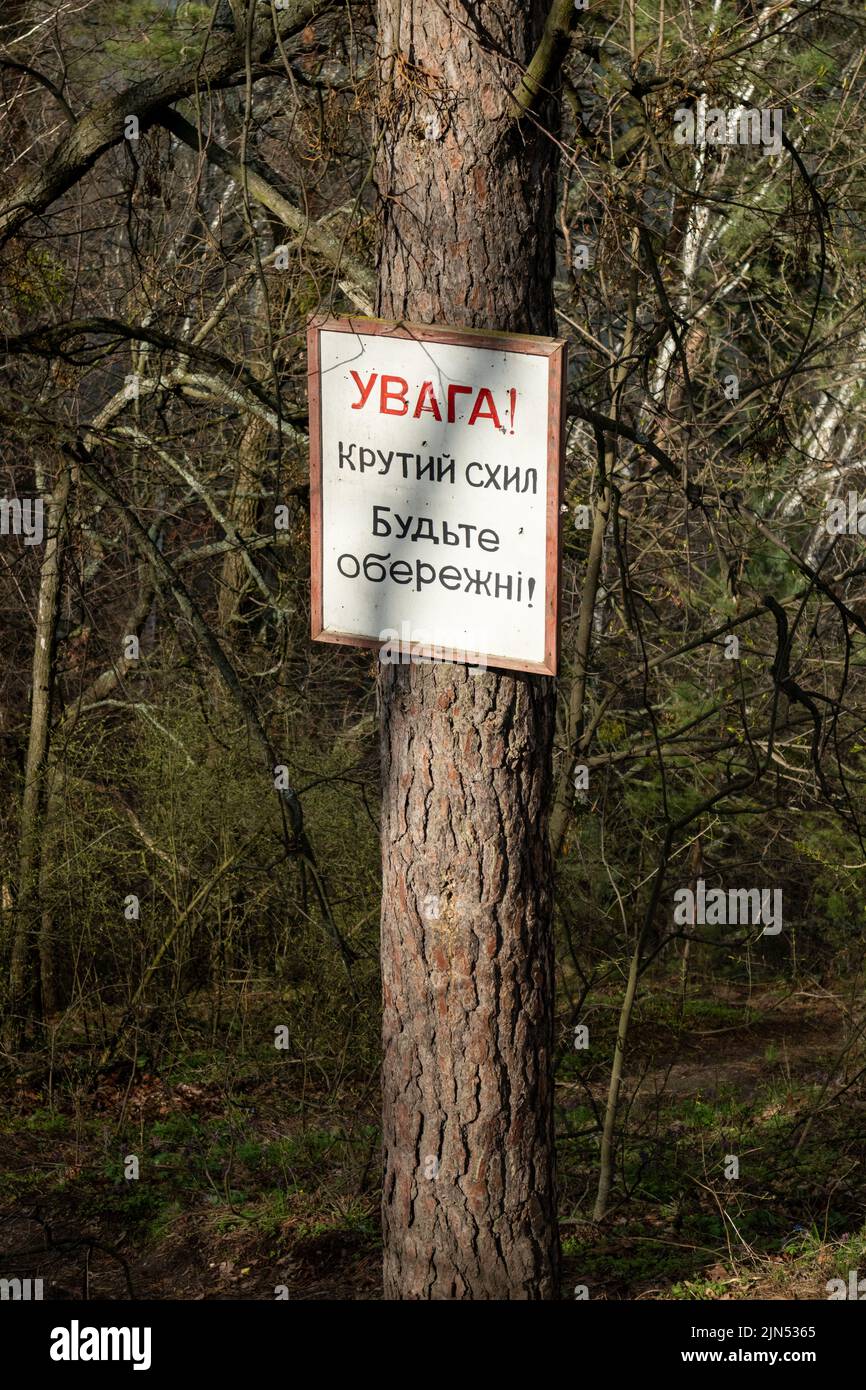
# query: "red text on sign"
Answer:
x=393 y=398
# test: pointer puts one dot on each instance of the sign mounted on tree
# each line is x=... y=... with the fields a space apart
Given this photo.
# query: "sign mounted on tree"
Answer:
x=435 y=487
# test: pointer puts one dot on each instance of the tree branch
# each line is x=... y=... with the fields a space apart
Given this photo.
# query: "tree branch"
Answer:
x=359 y=282
x=104 y=126
x=546 y=60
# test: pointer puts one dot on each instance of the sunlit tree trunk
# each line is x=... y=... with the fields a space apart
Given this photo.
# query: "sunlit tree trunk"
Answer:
x=27 y=906
x=467 y=228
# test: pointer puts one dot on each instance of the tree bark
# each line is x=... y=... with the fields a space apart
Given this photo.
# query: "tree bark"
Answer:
x=467 y=238
x=35 y=769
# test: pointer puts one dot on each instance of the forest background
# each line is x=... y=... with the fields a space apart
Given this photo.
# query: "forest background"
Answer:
x=189 y=983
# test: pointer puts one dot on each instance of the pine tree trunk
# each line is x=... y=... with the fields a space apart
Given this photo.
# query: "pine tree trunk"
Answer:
x=467 y=238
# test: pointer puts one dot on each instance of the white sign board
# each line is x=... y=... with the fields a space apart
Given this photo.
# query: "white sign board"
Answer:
x=435 y=488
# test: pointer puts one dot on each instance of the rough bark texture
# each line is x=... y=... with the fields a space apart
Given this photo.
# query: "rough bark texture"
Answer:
x=469 y=1209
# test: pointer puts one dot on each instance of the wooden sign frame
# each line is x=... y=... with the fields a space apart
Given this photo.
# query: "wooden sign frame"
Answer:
x=527 y=344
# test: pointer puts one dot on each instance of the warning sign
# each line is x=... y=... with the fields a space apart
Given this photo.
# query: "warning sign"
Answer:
x=435 y=472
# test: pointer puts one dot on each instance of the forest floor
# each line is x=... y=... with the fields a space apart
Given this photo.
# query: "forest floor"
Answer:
x=269 y=1180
